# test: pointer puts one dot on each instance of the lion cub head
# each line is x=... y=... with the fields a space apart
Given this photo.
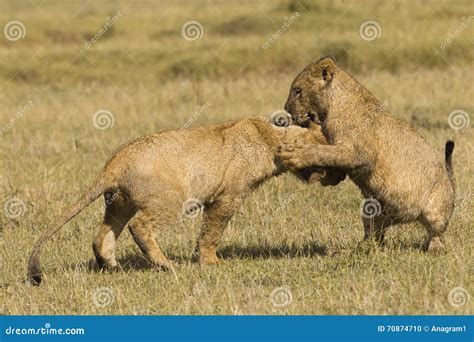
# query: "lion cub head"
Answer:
x=310 y=93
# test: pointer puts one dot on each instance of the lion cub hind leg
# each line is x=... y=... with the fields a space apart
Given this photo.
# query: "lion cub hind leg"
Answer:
x=216 y=218
x=144 y=228
x=435 y=226
x=118 y=212
x=435 y=218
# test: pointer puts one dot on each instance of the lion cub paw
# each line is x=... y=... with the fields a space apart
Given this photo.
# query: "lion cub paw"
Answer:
x=435 y=245
x=208 y=259
x=164 y=266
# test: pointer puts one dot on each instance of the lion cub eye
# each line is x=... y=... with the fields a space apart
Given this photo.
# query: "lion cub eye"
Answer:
x=296 y=91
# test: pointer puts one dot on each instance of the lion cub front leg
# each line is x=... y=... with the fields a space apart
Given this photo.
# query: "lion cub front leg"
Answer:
x=216 y=218
x=304 y=156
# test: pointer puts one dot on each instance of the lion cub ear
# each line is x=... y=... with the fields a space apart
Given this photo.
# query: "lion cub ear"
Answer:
x=327 y=66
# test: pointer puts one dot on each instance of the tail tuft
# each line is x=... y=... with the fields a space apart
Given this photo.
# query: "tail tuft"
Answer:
x=449 y=150
x=448 y=157
x=34 y=275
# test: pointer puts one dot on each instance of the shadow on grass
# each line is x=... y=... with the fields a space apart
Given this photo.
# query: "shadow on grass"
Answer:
x=408 y=246
x=137 y=262
x=229 y=252
x=272 y=252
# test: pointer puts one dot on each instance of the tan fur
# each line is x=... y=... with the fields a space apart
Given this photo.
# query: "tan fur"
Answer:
x=149 y=180
x=386 y=158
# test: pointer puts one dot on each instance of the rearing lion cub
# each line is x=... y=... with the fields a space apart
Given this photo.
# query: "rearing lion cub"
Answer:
x=389 y=161
x=156 y=178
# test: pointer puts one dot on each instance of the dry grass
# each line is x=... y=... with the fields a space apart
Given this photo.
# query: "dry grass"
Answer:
x=304 y=238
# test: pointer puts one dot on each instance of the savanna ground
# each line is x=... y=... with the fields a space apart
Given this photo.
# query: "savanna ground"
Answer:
x=303 y=238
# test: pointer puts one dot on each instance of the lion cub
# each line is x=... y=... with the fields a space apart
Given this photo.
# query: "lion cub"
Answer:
x=154 y=180
x=388 y=160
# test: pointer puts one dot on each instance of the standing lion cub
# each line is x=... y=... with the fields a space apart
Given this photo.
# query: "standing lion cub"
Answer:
x=154 y=180
x=389 y=161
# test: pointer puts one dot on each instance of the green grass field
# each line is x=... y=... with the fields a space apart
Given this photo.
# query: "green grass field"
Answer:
x=294 y=248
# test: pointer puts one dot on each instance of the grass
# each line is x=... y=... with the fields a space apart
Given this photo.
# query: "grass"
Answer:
x=288 y=234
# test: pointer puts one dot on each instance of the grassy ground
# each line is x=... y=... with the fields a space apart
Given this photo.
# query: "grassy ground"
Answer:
x=304 y=239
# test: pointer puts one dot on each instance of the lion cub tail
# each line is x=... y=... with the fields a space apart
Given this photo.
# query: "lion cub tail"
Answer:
x=448 y=156
x=34 y=269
